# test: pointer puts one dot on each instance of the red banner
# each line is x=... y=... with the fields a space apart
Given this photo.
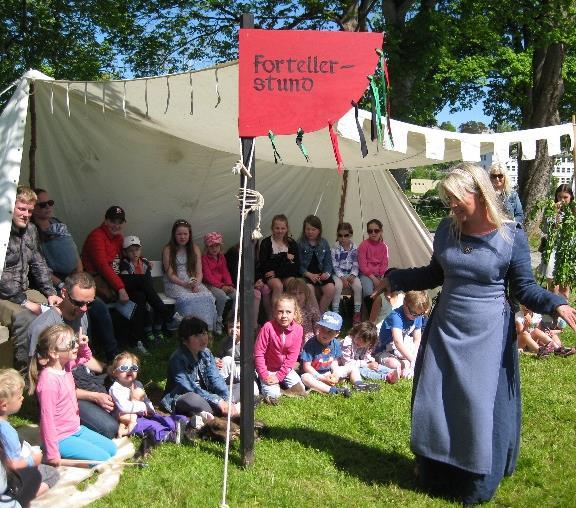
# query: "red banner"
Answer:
x=291 y=79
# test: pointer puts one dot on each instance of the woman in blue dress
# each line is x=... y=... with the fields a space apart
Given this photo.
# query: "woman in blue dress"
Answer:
x=466 y=393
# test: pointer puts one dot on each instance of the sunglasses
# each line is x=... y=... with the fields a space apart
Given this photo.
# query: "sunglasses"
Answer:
x=44 y=204
x=79 y=304
x=494 y=176
x=68 y=347
x=370 y=231
x=415 y=314
x=345 y=235
x=127 y=368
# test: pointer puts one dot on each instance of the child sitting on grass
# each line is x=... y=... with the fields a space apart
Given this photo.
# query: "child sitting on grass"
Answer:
x=277 y=348
x=57 y=353
x=134 y=409
x=11 y=389
x=401 y=332
x=357 y=349
x=321 y=357
x=229 y=364
x=532 y=338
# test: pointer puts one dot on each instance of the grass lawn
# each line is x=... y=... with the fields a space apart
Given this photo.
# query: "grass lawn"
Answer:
x=323 y=450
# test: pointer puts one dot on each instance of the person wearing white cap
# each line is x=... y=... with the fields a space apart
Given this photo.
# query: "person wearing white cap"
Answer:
x=135 y=272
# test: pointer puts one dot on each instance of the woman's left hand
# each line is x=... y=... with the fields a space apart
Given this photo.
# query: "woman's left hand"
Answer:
x=568 y=314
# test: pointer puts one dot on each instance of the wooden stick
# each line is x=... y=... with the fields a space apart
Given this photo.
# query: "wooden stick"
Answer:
x=90 y=463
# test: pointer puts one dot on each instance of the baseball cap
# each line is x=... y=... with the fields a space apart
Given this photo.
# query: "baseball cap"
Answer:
x=115 y=213
x=131 y=240
x=213 y=238
x=331 y=320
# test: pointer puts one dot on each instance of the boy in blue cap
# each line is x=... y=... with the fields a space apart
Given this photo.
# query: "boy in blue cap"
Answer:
x=320 y=357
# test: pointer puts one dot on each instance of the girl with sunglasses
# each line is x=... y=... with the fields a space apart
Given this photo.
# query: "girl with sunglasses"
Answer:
x=57 y=353
x=136 y=414
x=346 y=269
x=373 y=263
x=509 y=197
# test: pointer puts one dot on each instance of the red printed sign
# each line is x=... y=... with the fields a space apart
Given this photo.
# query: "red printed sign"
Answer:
x=291 y=79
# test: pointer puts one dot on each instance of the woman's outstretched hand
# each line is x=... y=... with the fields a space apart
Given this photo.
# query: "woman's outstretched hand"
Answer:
x=383 y=286
x=568 y=314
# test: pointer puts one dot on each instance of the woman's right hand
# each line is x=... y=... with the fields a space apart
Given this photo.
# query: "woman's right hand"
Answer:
x=382 y=286
x=225 y=408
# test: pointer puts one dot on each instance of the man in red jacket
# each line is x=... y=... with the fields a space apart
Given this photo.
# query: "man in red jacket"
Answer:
x=101 y=256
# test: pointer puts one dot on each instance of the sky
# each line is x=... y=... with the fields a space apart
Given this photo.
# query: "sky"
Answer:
x=456 y=119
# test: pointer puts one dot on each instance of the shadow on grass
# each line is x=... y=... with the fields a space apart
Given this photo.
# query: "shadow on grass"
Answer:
x=369 y=464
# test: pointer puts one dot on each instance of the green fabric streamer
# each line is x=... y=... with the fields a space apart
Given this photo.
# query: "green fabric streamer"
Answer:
x=277 y=156
x=376 y=97
x=299 y=138
x=385 y=94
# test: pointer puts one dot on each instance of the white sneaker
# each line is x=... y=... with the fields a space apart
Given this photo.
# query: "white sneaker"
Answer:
x=141 y=349
x=174 y=323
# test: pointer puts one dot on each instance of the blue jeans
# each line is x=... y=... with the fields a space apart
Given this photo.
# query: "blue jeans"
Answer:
x=102 y=329
x=97 y=419
x=85 y=444
x=379 y=374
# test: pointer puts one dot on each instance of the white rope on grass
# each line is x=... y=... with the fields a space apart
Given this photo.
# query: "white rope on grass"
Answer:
x=254 y=203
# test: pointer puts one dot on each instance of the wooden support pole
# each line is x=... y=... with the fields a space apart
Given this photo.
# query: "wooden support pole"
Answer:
x=32 y=149
x=247 y=309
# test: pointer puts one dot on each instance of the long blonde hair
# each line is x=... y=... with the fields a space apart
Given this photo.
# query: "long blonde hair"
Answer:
x=466 y=177
x=47 y=343
x=291 y=298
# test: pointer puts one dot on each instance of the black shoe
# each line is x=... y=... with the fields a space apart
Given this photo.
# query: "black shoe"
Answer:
x=146 y=446
x=565 y=351
x=345 y=392
x=366 y=387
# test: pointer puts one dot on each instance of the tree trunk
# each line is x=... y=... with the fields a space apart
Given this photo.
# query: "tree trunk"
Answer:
x=534 y=176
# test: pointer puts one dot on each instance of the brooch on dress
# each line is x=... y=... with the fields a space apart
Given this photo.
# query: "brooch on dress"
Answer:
x=467 y=249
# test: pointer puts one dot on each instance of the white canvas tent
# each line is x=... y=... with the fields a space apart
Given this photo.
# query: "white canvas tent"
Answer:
x=163 y=148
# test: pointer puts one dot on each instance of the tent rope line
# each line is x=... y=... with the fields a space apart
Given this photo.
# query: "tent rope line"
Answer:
x=11 y=85
x=360 y=201
x=244 y=214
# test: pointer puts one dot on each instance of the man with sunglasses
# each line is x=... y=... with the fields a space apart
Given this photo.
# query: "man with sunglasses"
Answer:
x=19 y=305
x=78 y=295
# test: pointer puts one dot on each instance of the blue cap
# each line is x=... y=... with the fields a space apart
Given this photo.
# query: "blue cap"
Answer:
x=331 y=320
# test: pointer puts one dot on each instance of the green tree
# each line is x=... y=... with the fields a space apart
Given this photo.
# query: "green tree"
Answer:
x=473 y=127
x=57 y=37
x=447 y=126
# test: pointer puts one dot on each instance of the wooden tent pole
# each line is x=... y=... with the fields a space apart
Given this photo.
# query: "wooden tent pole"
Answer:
x=247 y=309
x=343 y=196
x=32 y=149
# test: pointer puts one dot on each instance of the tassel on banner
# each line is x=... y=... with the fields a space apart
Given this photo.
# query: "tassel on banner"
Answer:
x=299 y=139
x=336 y=148
x=376 y=106
x=277 y=156
x=363 y=147
x=383 y=66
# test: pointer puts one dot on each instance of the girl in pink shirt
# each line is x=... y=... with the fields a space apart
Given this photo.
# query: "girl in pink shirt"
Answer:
x=216 y=275
x=57 y=353
x=277 y=348
x=373 y=263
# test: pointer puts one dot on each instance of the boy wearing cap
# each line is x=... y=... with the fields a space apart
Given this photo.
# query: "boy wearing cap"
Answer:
x=135 y=272
x=216 y=276
x=320 y=357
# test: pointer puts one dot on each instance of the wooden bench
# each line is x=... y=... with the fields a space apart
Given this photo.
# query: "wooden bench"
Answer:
x=158 y=280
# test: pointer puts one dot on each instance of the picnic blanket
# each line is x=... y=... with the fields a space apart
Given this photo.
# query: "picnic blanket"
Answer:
x=65 y=493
